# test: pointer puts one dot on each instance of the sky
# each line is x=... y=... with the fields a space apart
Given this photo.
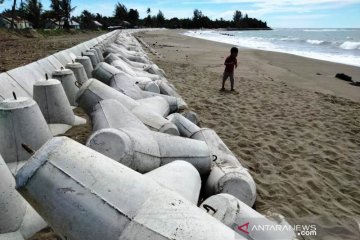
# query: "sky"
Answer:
x=277 y=13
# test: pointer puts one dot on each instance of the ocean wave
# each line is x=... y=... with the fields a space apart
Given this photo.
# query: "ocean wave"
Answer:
x=289 y=39
x=327 y=30
x=350 y=45
x=315 y=42
x=257 y=38
x=333 y=53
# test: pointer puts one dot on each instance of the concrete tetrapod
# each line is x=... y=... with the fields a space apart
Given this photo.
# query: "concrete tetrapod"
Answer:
x=112 y=57
x=117 y=51
x=145 y=151
x=21 y=122
x=150 y=68
x=99 y=51
x=179 y=176
x=105 y=72
x=144 y=83
x=227 y=174
x=127 y=84
x=93 y=58
x=133 y=66
x=137 y=51
x=18 y=220
x=55 y=106
x=156 y=104
x=102 y=46
x=167 y=90
x=127 y=42
x=93 y=91
x=67 y=79
x=185 y=126
x=236 y=214
x=135 y=72
x=97 y=195
x=111 y=114
x=192 y=116
x=148 y=86
x=79 y=72
x=96 y=54
x=86 y=62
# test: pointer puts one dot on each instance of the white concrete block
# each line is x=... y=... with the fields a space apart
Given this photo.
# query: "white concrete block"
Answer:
x=227 y=174
x=106 y=200
x=79 y=72
x=67 y=79
x=234 y=214
x=18 y=220
x=21 y=122
x=86 y=62
x=179 y=176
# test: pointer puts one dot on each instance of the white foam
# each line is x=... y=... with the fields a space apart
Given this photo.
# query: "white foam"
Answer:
x=289 y=39
x=263 y=44
x=315 y=42
x=350 y=45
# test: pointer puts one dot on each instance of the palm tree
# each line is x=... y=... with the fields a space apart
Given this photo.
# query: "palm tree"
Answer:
x=13 y=12
x=66 y=9
x=56 y=11
x=121 y=12
x=160 y=19
x=33 y=10
x=148 y=21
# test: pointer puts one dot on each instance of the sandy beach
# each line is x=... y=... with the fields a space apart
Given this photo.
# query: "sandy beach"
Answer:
x=295 y=126
x=290 y=122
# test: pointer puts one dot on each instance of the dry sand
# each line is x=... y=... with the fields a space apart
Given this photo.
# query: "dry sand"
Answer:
x=294 y=125
x=20 y=47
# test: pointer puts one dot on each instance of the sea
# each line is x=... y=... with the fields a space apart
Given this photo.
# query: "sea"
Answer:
x=340 y=45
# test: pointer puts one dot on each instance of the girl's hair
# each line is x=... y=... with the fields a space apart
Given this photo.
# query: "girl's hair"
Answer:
x=234 y=50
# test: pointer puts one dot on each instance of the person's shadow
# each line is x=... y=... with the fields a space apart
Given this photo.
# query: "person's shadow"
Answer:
x=227 y=91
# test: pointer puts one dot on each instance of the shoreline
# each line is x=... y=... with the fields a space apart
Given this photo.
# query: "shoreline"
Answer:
x=307 y=77
x=297 y=132
x=295 y=52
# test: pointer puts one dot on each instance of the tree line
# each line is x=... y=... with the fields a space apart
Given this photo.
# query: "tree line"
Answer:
x=61 y=10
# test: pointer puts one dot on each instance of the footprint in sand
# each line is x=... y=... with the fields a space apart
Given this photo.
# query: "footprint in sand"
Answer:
x=273 y=149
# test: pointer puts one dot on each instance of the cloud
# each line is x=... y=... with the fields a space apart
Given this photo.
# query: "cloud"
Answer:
x=292 y=5
x=300 y=17
x=285 y=2
x=264 y=8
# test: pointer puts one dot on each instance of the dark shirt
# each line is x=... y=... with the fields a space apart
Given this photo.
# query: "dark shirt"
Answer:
x=230 y=63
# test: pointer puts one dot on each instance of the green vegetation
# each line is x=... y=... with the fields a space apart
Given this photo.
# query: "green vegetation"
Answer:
x=61 y=10
x=60 y=32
